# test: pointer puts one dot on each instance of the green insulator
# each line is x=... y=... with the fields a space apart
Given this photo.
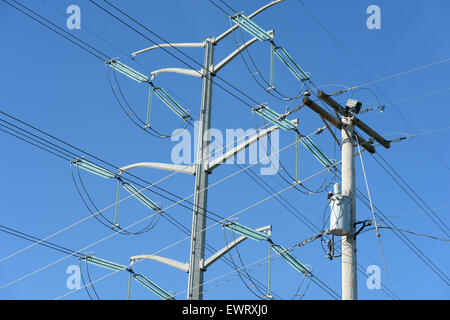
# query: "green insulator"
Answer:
x=297 y=156
x=149 y=106
x=269 y=272
x=271 y=69
x=116 y=208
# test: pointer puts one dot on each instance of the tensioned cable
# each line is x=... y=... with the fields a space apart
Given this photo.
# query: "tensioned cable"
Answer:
x=219 y=77
x=335 y=296
x=441 y=224
x=177 y=49
x=416 y=233
x=39 y=241
x=132 y=195
x=146 y=218
x=67 y=159
x=246 y=272
x=373 y=215
x=368 y=77
x=64 y=33
x=409 y=243
x=416 y=212
x=401 y=74
x=108 y=58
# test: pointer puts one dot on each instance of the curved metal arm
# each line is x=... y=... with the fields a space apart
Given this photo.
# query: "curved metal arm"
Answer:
x=185 y=45
x=219 y=254
x=161 y=166
x=226 y=33
x=232 y=55
x=170 y=262
x=188 y=72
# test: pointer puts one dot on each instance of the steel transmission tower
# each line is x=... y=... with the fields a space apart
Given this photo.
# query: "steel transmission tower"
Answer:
x=202 y=168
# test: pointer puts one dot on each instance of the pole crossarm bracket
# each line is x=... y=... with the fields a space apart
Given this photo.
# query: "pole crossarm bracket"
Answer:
x=213 y=164
x=175 y=45
x=160 y=166
x=188 y=72
x=183 y=266
x=232 y=55
x=219 y=254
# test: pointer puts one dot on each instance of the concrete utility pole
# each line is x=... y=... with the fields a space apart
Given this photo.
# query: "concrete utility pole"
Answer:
x=347 y=124
x=197 y=253
x=349 y=275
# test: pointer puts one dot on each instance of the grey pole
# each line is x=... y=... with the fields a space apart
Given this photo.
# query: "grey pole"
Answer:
x=197 y=251
x=349 y=271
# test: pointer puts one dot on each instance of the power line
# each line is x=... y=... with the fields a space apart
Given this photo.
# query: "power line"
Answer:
x=441 y=224
x=100 y=55
x=372 y=82
x=373 y=215
x=408 y=242
x=254 y=102
x=39 y=241
x=144 y=219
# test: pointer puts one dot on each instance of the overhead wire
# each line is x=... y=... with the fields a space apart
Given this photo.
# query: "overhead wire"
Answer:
x=140 y=24
x=374 y=83
x=373 y=216
x=420 y=202
x=142 y=220
x=63 y=33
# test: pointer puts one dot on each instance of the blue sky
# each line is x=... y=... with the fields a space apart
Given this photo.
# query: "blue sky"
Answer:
x=57 y=87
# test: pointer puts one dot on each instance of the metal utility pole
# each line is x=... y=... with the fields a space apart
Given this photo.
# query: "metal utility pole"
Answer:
x=197 y=253
x=197 y=264
x=349 y=275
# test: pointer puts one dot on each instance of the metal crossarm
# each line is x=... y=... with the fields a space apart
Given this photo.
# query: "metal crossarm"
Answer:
x=93 y=168
x=286 y=255
x=251 y=27
x=246 y=231
x=286 y=58
x=105 y=263
x=278 y=119
x=146 y=282
x=127 y=71
x=171 y=103
x=141 y=197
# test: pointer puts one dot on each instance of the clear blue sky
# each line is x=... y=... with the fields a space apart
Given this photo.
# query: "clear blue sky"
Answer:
x=59 y=88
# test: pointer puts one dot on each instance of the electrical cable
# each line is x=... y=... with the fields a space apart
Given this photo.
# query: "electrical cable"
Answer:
x=98 y=55
x=238 y=270
x=146 y=218
x=373 y=215
x=441 y=224
x=373 y=82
